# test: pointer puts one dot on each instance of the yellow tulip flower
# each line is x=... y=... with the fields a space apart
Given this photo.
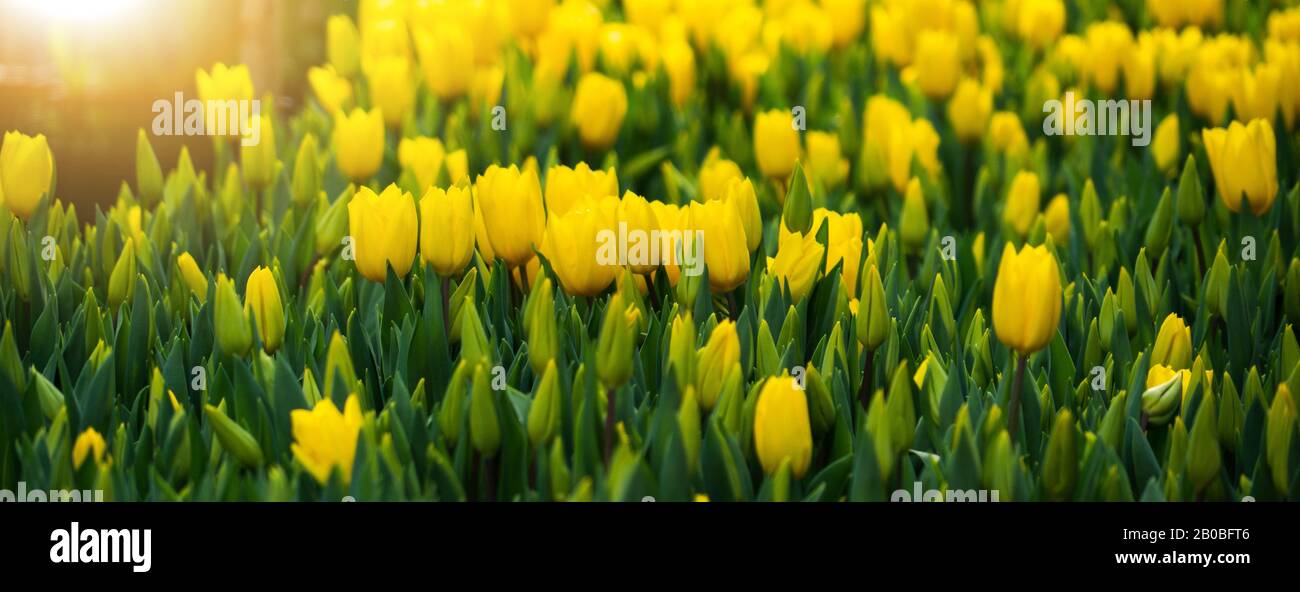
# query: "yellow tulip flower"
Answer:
x=1027 y=298
x=798 y=259
x=445 y=55
x=1166 y=145
x=193 y=276
x=726 y=250
x=384 y=230
x=392 y=88
x=581 y=245
x=776 y=143
x=422 y=156
x=599 y=106
x=511 y=203
x=1022 y=202
x=782 y=430
x=447 y=229
x=342 y=43
x=1057 y=218
x=937 y=63
x=825 y=160
x=1244 y=161
x=359 y=143
x=26 y=172
x=89 y=444
x=568 y=186
x=1173 y=345
x=969 y=110
x=325 y=439
x=262 y=303
x=715 y=360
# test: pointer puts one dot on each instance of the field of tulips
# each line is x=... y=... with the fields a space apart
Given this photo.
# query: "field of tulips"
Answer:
x=682 y=250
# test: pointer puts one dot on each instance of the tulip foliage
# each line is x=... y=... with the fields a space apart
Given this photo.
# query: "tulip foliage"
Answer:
x=810 y=250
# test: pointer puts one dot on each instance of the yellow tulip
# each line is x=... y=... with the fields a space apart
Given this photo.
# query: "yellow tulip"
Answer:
x=262 y=303
x=1177 y=13
x=782 y=431
x=581 y=245
x=342 y=42
x=798 y=259
x=258 y=160
x=635 y=212
x=422 y=156
x=359 y=143
x=776 y=143
x=725 y=247
x=938 y=63
x=843 y=243
x=224 y=83
x=715 y=361
x=325 y=439
x=26 y=172
x=457 y=164
x=1286 y=58
x=1244 y=161
x=1041 y=21
x=679 y=63
x=568 y=186
x=392 y=88
x=446 y=55
x=193 y=276
x=1173 y=345
x=740 y=193
x=511 y=202
x=1166 y=145
x=716 y=174
x=384 y=231
x=447 y=229
x=1140 y=70
x=847 y=18
x=1027 y=298
x=825 y=159
x=1058 y=219
x=599 y=106
x=332 y=90
x=1109 y=45
x=1255 y=96
x=1006 y=133
x=528 y=18
x=969 y=110
x=1022 y=202
x=89 y=444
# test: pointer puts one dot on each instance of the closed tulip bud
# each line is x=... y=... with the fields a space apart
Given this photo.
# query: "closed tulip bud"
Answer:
x=342 y=42
x=1173 y=345
x=1165 y=389
x=544 y=413
x=1061 y=463
x=1216 y=284
x=384 y=231
x=484 y=428
x=1191 y=199
x=969 y=110
x=444 y=53
x=474 y=345
x=539 y=322
x=148 y=172
x=234 y=438
x=716 y=359
x=679 y=63
x=681 y=350
x=797 y=211
x=1203 y=456
x=1106 y=319
x=1161 y=226
x=1057 y=219
x=599 y=106
x=725 y=247
x=776 y=143
x=1022 y=202
x=616 y=345
x=821 y=406
x=900 y=411
x=306 y=173
x=1090 y=215
x=872 y=321
x=914 y=222
x=193 y=277
x=937 y=63
x=454 y=400
x=688 y=423
x=11 y=362
x=1126 y=297
x=392 y=87
x=258 y=160
x=229 y=321
x=797 y=263
x=121 y=283
x=359 y=143
x=1244 y=161
x=510 y=201
x=89 y=444
x=1231 y=415
x=262 y=303
x=1166 y=146
x=740 y=193
x=1027 y=298
x=447 y=229
x=782 y=432
x=1281 y=430
x=26 y=172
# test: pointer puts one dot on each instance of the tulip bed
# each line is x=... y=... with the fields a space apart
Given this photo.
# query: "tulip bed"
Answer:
x=406 y=290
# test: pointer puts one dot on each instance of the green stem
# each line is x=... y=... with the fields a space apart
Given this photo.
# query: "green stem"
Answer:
x=609 y=425
x=1013 y=414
